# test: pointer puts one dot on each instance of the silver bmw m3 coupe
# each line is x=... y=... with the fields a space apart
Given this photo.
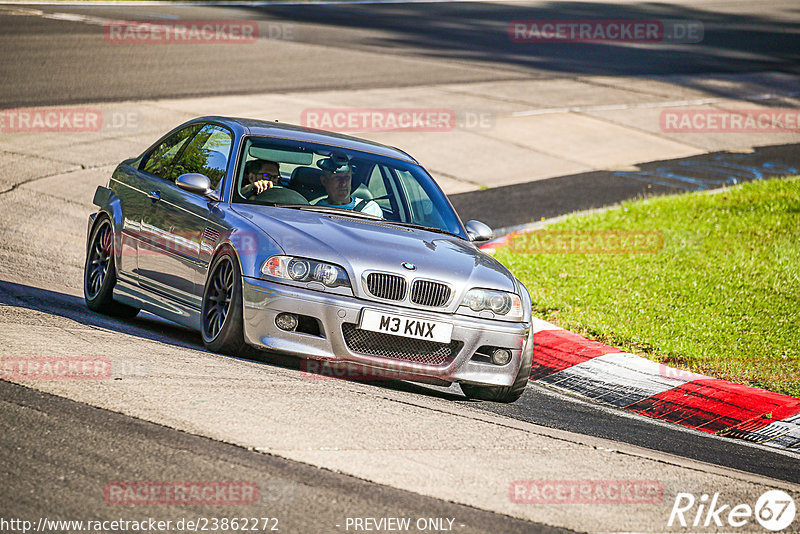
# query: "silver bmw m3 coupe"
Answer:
x=308 y=243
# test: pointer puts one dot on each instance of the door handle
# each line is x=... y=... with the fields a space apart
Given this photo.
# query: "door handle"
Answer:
x=155 y=196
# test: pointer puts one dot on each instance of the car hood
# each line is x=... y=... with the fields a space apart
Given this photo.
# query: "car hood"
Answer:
x=361 y=245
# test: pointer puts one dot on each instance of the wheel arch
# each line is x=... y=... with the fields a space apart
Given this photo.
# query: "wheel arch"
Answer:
x=222 y=248
x=109 y=207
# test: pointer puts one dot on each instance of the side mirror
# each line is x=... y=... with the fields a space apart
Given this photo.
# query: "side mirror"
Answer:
x=478 y=232
x=195 y=183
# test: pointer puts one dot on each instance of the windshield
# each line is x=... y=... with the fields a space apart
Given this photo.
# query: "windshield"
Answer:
x=302 y=175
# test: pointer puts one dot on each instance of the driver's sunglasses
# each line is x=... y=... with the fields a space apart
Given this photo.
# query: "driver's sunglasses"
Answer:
x=270 y=175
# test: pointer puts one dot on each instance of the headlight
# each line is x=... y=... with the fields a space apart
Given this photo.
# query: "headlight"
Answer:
x=507 y=305
x=298 y=269
x=304 y=270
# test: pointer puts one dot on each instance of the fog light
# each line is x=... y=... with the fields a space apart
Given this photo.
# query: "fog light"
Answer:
x=501 y=356
x=286 y=321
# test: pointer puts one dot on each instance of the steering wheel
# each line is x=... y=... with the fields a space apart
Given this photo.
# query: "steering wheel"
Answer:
x=280 y=195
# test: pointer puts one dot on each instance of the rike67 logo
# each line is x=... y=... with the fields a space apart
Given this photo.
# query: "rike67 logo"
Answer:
x=774 y=510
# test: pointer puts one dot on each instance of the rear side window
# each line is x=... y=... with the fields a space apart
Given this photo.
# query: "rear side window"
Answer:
x=159 y=160
x=207 y=153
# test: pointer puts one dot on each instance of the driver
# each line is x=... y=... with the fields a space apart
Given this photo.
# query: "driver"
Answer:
x=260 y=175
x=337 y=174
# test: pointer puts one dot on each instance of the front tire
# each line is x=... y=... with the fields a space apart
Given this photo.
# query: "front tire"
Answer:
x=100 y=274
x=223 y=327
x=505 y=393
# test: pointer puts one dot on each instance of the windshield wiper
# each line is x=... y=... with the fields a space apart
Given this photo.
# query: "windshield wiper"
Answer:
x=423 y=227
x=329 y=209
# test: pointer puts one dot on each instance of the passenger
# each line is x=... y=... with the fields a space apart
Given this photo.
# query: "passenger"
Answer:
x=260 y=175
x=337 y=174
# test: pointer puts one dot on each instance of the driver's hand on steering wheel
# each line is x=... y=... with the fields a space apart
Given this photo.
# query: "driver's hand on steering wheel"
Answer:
x=262 y=185
x=256 y=187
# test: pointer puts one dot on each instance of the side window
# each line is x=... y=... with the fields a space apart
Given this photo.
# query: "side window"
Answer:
x=159 y=160
x=207 y=153
x=388 y=202
x=375 y=183
x=420 y=204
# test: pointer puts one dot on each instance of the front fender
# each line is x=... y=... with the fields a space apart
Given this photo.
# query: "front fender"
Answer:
x=90 y=227
x=109 y=205
x=527 y=350
x=251 y=245
x=526 y=300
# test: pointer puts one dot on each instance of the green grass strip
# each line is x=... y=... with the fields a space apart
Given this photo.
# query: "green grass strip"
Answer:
x=719 y=296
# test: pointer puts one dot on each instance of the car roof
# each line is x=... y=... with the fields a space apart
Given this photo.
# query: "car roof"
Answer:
x=300 y=133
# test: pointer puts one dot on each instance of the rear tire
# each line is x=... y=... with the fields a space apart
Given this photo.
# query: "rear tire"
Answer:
x=505 y=393
x=222 y=324
x=100 y=273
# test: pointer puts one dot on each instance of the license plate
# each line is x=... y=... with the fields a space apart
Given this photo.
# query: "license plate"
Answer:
x=400 y=325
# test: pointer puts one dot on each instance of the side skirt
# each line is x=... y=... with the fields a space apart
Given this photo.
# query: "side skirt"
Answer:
x=136 y=296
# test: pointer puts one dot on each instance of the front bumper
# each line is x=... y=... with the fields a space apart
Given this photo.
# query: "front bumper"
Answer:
x=264 y=300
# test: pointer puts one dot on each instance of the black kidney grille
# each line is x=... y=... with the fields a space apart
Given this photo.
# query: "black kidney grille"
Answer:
x=387 y=286
x=427 y=293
